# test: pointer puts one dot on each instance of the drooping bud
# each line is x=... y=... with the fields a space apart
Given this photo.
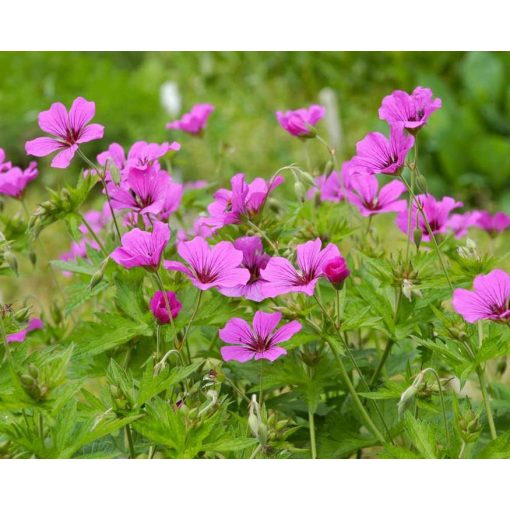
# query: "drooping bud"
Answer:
x=300 y=191
x=417 y=236
x=336 y=271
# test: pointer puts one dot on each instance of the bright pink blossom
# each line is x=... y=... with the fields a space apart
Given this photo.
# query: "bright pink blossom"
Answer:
x=364 y=193
x=410 y=110
x=460 y=223
x=258 y=342
x=376 y=154
x=70 y=130
x=244 y=200
x=159 y=306
x=300 y=122
x=143 y=192
x=437 y=213
x=330 y=188
x=493 y=224
x=254 y=259
x=141 y=248
x=336 y=271
x=490 y=298
x=141 y=155
x=210 y=266
x=283 y=277
x=20 y=335
x=13 y=180
x=194 y=121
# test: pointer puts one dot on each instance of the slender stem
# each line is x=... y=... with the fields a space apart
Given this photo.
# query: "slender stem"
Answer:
x=263 y=234
x=462 y=448
x=382 y=362
x=256 y=451
x=441 y=398
x=93 y=234
x=331 y=152
x=129 y=436
x=102 y=173
x=357 y=402
x=429 y=231
x=311 y=423
x=190 y=324
x=409 y=220
x=480 y=371
x=158 y=340
x=353 y=361
x=41 y=427
x=261 y=376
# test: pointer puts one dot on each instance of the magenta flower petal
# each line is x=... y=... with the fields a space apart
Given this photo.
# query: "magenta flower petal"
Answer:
x=140 y=248
x=216 y=266
x=159 y=308
x=70 y=129
x=21 y=335
x=42 y=146
x=240 y=354
x=490 y=298
x=194 y=121
x=259 y=341
x=410 y=110
x=299 y=122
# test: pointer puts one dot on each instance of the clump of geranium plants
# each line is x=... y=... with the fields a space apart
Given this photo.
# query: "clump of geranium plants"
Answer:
x=334 y=310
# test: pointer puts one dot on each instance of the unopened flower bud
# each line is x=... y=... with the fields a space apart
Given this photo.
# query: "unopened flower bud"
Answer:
x=417 y=236
x=421 y=182
x=32 y=257
x=409 y=289
x=159 y=306
x=11 y=260
x=336 y=271
x=33 y=370
x=98 y=275
x=300 y=191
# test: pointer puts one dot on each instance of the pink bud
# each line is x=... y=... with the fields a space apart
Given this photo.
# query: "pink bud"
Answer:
x=159 y=307
x=336 y=271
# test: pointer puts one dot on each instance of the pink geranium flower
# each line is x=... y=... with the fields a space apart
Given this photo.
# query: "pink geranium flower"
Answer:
x=254 y=259
x=300 y=122
x=410 y=110
x=244 y=199
x=282 y=277
x=490 y=298
x=13 y=180
x=460 y=223
x=159 y=306
x=330 y=188
x=364 y=193
x=194 y=121
x=210 y=266
x=493 y=224
x=437 y=213
x=376 y=154
x=141 y=248
x=70 y=130
x=143 y=192
x=260 y=342
x=20 y=335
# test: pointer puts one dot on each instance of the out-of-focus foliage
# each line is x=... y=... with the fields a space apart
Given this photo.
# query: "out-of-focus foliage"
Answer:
x=466 y=149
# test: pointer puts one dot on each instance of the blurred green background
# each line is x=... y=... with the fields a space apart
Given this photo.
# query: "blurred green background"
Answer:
x=465 y=150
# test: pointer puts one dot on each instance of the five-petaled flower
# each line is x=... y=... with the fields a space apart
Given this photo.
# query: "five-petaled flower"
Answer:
x=377 y=154
x=490 y=298
x=493 y=224
x=193 y=121
x=364 y=193
x=258 y=342
x=410 y=110
x=254 y=259
x=69 y=129
x=283 y=277
x=13 y=180
x=436 y=211
x=301 y=122
x=210 y=266
x=141 y=248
